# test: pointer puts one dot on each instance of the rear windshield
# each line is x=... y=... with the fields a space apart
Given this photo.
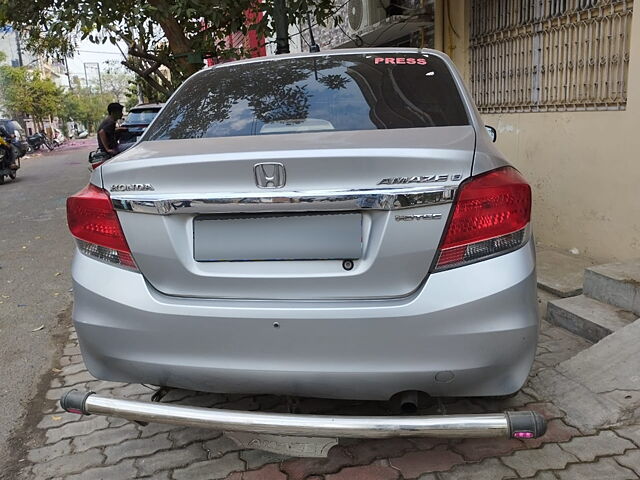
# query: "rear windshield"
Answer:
x=142 y=116
x=318 y=93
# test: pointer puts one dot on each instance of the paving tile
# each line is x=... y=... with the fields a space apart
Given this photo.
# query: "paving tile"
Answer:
x=154 y=428
x=71 y=350
x=220 y=446
x=257 y=458
x=210 y=469
x=68 y=464
x=169 y=459
x=87 y=425
x=631 y=460
x=632 y=432
x=186 y=436
x=440 y=459
x=70 y=360
x=490 y=469
x=44 y=454
x=268 y=472
x=57 y=419
x=425 y=443
x=106 y=437
x=119 y=422
x=547 y=409
x=55 y=393
x=127 y=391
x=527 y=462
x=301 y=468
x=123 y=470
x=139 y=447
x=546 y=475
x=56 y=382
x=606 y=443
x=366 y=451
x=365 y=472
x=605 y=468
x=475 y=449
x=80 y=377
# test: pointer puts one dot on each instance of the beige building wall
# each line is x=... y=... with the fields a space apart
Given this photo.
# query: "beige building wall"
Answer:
x=584 y=167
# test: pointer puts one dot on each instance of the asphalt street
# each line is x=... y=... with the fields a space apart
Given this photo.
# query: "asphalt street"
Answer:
x=35 y=297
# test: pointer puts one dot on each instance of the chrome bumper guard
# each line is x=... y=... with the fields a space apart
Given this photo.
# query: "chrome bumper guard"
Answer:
x=523 y=424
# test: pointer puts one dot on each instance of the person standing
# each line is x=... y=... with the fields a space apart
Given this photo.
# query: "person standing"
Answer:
x=107 y=139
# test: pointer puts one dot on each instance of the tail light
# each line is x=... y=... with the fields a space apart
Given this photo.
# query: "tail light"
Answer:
x=491 y=217
x=95 y=225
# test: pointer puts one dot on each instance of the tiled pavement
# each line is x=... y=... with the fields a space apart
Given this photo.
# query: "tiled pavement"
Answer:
x=67 y=446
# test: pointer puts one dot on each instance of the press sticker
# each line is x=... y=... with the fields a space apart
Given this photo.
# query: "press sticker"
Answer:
x=399 y=61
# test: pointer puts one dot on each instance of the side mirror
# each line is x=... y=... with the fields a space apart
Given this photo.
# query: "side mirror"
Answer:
x=492 y=133
x=97 y=158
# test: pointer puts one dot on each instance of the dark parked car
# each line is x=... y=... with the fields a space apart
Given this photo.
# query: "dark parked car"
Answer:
x=137 y=121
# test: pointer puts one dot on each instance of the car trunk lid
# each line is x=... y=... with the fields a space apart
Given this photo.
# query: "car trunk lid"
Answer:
x=360 y=214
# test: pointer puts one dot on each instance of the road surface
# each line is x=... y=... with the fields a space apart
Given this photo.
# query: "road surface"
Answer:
x=35 y=283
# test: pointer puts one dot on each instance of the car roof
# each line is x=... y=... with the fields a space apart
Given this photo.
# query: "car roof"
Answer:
x=147 y=105
x=324 y=53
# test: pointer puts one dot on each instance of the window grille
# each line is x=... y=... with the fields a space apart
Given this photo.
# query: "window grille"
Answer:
x=550 y=55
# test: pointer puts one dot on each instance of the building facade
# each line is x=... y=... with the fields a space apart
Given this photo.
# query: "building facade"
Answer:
x=558 y=79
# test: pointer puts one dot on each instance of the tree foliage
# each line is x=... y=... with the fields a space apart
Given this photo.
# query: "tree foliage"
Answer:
x=118 y=81
x=166 y=39
x=85 y=106
x=26 y=92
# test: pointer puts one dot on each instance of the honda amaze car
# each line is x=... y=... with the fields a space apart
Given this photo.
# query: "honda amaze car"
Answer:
x=334 y=224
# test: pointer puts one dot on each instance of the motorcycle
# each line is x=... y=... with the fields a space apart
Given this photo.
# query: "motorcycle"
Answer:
x=39 y=139
x=58 y=138
x=5 y=171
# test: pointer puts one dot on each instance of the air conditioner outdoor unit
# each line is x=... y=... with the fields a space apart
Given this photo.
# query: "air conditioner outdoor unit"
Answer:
x=363 y=13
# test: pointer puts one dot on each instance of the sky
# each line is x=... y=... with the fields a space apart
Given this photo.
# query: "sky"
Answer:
x=88 y=52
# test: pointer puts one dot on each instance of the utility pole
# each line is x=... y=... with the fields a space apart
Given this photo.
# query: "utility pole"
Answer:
x=99 y=77
x=86 y=79
x=66 y=67
x=282 y=26
x=19 y=48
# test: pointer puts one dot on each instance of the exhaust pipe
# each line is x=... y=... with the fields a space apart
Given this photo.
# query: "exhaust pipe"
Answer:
x=508 y=424
x=409 y=402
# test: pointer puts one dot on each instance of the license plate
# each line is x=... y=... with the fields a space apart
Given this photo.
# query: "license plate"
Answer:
x=278 y=237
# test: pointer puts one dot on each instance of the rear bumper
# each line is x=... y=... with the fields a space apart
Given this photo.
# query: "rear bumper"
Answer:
x=508 y=424
x=470 y=331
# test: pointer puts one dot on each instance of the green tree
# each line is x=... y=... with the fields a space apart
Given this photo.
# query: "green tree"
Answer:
x=86 y=106
x=117 y=81
x=161 y=35
x=26 y=92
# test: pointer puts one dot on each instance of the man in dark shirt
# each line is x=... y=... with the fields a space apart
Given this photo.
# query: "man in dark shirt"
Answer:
x=107 y=141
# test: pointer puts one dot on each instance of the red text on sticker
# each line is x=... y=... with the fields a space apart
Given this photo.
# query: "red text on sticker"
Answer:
x=400 y=61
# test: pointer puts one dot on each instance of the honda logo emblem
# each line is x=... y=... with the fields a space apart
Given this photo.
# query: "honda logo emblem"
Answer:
x=270 y=175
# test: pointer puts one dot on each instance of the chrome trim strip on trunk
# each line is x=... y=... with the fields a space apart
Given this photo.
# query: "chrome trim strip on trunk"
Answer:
x=506 y=424
x=256 y=202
